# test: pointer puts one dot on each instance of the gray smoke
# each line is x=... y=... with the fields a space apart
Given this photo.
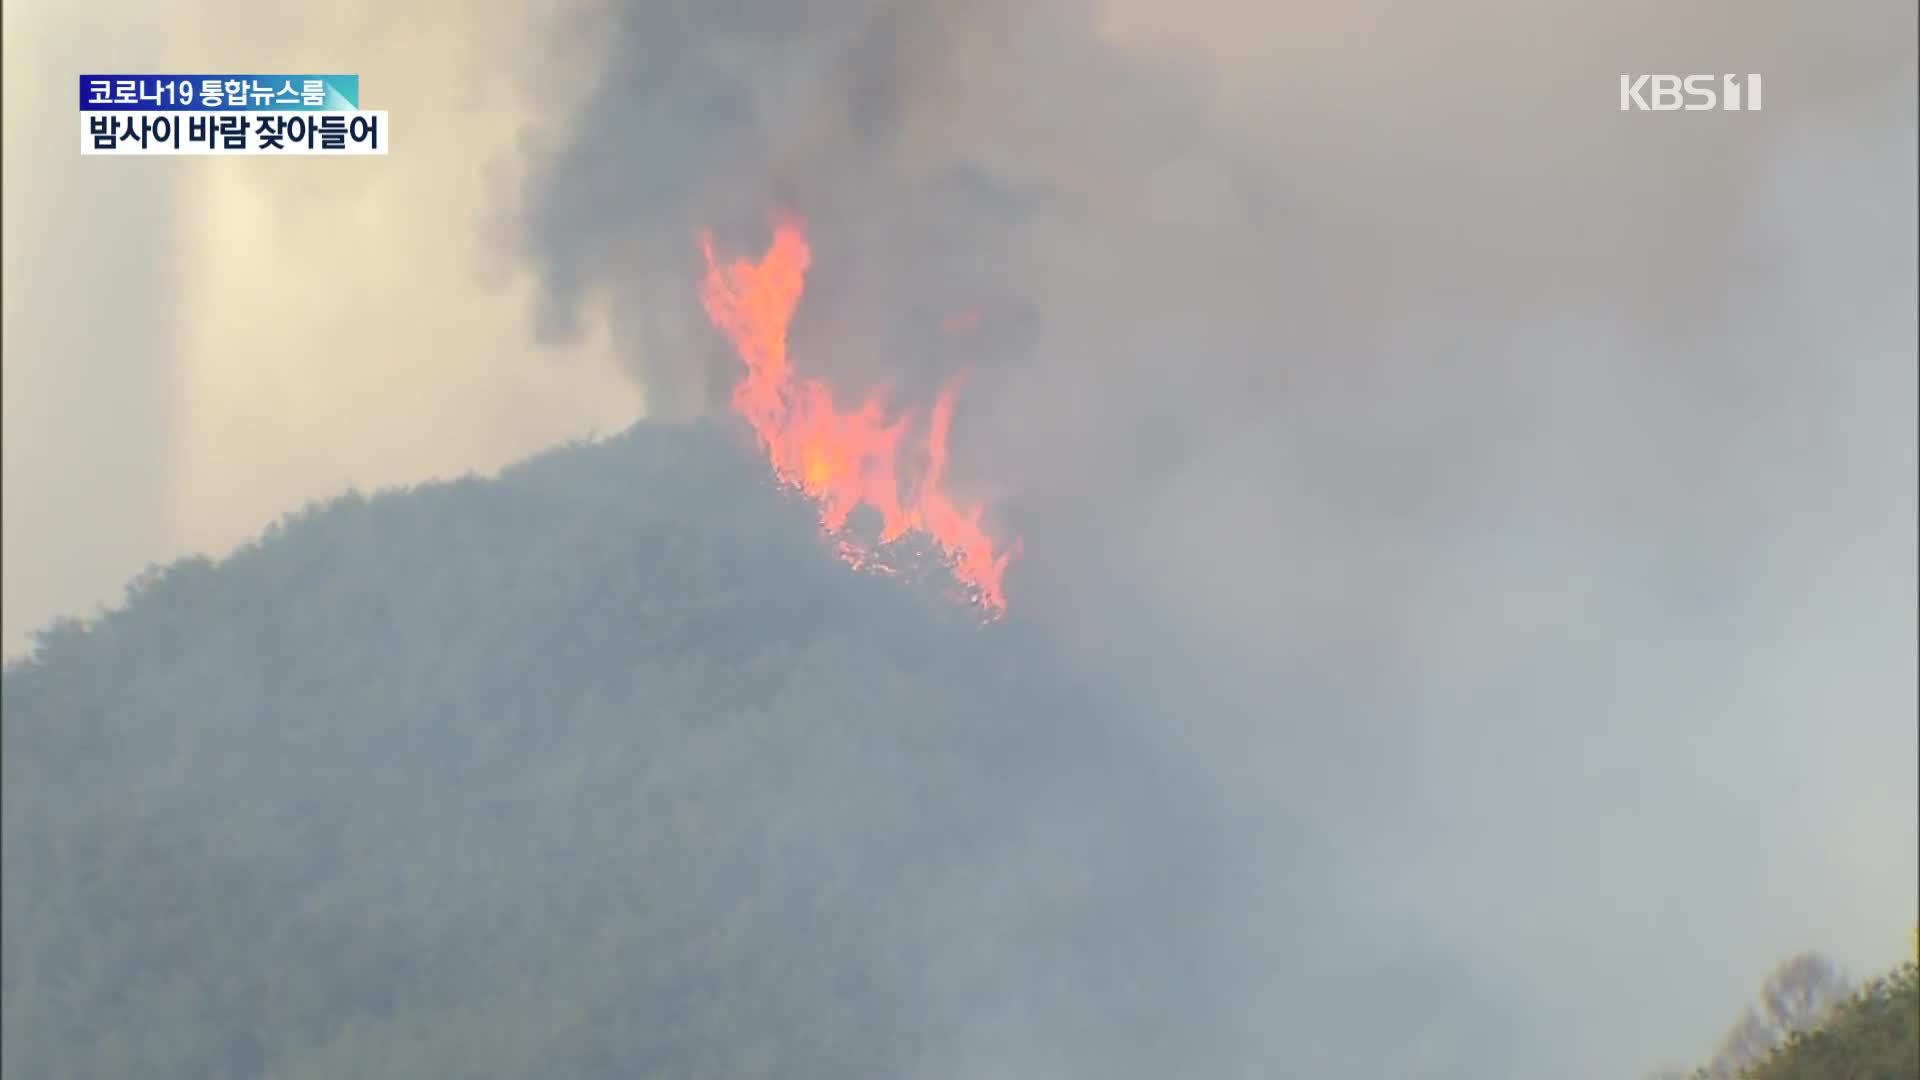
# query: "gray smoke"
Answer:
x=1519 y=491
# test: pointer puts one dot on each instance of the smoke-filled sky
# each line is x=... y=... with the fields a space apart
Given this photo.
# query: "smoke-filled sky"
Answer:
x=194 y=346
x=1519 y=490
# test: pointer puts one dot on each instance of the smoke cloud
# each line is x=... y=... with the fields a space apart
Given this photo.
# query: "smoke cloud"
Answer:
x=1518 y=490
x=1504 y=505
x=274 y=333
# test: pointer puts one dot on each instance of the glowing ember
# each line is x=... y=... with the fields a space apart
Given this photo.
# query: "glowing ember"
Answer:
x=844 y=460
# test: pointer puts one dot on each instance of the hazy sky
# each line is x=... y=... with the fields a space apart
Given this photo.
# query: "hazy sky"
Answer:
x=195 y=346
x=1571 y=452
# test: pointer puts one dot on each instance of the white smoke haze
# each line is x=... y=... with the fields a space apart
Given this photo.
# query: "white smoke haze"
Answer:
x=1505 y=504
x=196 y=346
x=1516 y=490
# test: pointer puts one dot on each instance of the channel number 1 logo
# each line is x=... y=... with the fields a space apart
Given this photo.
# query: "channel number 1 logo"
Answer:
x=1692 y=93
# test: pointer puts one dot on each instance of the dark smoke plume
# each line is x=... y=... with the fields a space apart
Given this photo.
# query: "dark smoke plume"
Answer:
x=1517 y=490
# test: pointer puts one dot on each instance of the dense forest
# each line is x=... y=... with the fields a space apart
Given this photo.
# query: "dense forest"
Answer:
x=607 y=768
x=1812 y=1023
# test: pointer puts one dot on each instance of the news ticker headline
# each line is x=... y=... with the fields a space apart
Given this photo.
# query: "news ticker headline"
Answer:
x=219 y=93
x=237 y=134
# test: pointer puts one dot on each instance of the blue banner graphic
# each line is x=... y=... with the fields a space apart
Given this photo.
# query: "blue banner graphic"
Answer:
x=219 y=93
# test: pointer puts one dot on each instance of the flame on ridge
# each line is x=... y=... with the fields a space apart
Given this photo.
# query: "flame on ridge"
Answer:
x=844 y=459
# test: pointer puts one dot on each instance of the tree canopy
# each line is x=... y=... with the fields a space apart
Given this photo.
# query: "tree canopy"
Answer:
x=1813 y=1023
x=603 y=768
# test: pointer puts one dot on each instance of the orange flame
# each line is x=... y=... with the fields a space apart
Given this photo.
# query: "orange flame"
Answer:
x=844 y=460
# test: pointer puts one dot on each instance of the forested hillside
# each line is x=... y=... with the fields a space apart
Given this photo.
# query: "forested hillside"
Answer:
x=1875 y=1035
x=607 y=768
x=1812 y=1023
x=604 y=768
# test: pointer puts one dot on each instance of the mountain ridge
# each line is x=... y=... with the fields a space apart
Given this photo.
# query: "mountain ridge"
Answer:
x=385 y=789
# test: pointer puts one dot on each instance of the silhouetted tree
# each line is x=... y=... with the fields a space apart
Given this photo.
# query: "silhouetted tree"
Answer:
x=1802 y=993
x=603 y=768
x=1814 y=1025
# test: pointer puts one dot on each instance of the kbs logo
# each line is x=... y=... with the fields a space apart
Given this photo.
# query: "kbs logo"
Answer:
x=1694 y=93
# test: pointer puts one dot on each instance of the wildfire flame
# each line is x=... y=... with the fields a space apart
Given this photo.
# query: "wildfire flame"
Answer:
x=844 y=460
